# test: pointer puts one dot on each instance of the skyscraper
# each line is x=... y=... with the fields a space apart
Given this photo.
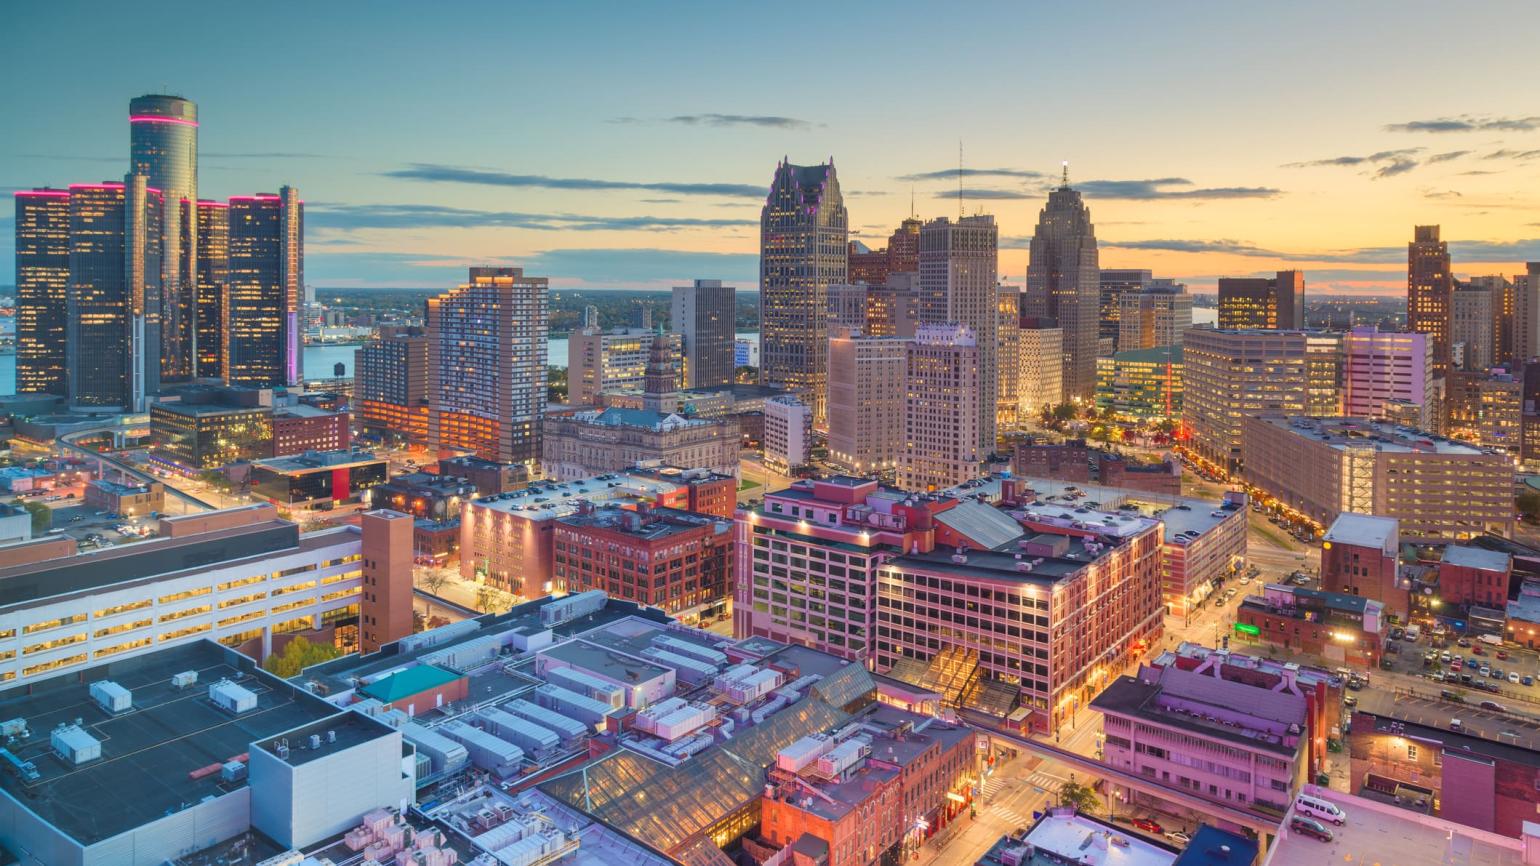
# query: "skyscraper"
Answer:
x=487 y=365
x=599 y=361
x=1007 y=357
x=866 y=401
x=958 y=279
x=266 y=272
x=1064 y=283
x=1429 y=285
x=1379 y=368
x=1525 y=330
x=1471 y=326
x=802 y=249
x=1115 y=283
x=163 y=147
x=1041 y=378
x=1156 y=316
x=42 y=289
x=942 y=408
x=390 y=383
x=112 y=326
x=703 y=315
x=213 y=286
x=1273 y=303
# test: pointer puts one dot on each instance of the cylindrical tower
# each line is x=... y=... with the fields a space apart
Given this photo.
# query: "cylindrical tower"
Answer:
x=163 y=147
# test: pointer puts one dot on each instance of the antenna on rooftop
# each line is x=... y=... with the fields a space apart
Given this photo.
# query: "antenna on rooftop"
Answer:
x=959 y=179
x=1066 y=174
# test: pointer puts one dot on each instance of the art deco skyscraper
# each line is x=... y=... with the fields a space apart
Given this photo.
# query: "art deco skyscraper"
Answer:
x=1064 y=283
x=267 y=267
x=703 y=315
x=1429 y=285
x=112 y=313
x=42 y=287
x=958 y=270
x=213 y=286
x=487 y=365
x=163 y=147
x=802 y=249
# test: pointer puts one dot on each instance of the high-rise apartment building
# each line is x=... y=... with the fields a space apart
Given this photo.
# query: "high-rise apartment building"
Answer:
x=163 y=148
x=802 y=236
x=1008 y=358
x=267 y=272
x=487 y=365
x=788 y=432
x=1472 y=326
x=703 y=315
x=1272 y=303
x=1429 y=285
x=1041 y=377
x=390 y=383
x=599 y=361
x=1064 y=283
x=1381 y=367
x=1115 y=283
x=959 y=267
x=1153 y=318
x=112 y=314
x=866 y=402
x=213 y=286
x=1526 y=315
x=942 y=411
x=1229 y=375
x=42 y=289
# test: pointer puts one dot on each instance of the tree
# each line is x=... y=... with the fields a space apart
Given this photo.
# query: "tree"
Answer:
x=1064 y=412
x=42 y=516
x=1081 y=797
x=434 y=579
x=1529 y=503
x=297 y=655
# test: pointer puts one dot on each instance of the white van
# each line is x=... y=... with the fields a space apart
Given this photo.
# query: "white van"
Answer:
x=1315 y=807
x=1413 y=633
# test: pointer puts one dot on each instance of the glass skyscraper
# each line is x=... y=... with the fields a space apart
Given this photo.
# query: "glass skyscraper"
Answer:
x=262 y=328
x=213 y=285
x=42 y=287
x=163 y=148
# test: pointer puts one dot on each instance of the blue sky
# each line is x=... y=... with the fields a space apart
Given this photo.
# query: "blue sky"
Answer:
x=627 y=145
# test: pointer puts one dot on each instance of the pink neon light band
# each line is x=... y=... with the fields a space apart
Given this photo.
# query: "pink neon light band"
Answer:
x=155 y=118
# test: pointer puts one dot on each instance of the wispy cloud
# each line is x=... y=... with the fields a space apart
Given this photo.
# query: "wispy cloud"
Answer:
x=1222 y=245
x=1386 y=163
x=1505 y=153
x=1468 y=123
x=68 y=158
x=952 y=174
x=1478 y=251
x=345 y=217
x=1441 y=194
x=433 y=173
x=987 y=194
x=1169 y=188
x=1445 y=157
x=646 y=266
x=768 y=121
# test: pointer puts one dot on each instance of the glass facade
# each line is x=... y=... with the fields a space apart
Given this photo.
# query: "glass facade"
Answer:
x=213 y=284
x=42 y=285
x=266 y=275
x=163 y=147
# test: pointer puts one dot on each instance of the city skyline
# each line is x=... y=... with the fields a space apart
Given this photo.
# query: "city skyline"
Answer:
x=647 y=184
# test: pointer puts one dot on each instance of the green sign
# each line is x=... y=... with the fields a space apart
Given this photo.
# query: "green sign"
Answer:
x=1243 y=628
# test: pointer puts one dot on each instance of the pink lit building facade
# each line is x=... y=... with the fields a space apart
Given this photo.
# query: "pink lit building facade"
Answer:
x=1381 y=367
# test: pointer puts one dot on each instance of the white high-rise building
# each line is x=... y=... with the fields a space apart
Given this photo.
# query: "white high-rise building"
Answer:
x=942 y=408
x=788 y=432
x=1381 y=367
x=959 y=270
x=599 y=361
x=866 y=401
x=1041 y=380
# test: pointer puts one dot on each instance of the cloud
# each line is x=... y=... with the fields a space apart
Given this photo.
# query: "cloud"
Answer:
x=1447 y=193
x=1159 y=188
x=987 y=194
x=345 y=217
x=65 y=158
x=952 y=173
x=768 y=121
x=1243 y=248
x=1479 y=251
x=1400 y=166
x=1468 y=123
x=1445 y=157
x=1390 y=162
x=1512 y=154
x=434 y=173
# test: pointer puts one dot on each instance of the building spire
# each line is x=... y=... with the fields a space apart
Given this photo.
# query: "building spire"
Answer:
x=1066 y=174
x=959 y=179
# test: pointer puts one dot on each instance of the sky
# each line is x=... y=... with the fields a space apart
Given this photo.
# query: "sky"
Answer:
x=630 y=145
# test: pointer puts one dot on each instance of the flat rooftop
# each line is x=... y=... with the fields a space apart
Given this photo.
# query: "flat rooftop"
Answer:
x=658 y=523
x=336 y=732
x=600 y=660
x=1178 y=513
x=317 y=461
x=998 y=566
x=1345 y=433
x=1364 y=530
x=1161 y=698
x=1390 y=838
x=149 y=750
x=1477 y=557
x=1084 y=840
x=1508 y=735
x=549 y=500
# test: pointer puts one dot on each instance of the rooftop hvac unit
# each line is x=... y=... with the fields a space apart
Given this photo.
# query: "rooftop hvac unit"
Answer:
x=74 y=746
x=13 y=728
x=184 y=679
x=232 y=698
x=111 y=697
x=233 y=771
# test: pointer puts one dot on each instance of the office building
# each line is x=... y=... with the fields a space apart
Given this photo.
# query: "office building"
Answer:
x=1429 y=287
x=301 y=427
x=189 y=436
x=803 y=232
x=1381 y=367
x=600 y=361
x=1360 y=555
x=390 y=383
x=788 y=433
x=1008 y=360
x=1265 y=303
x=1470 y=576
x=941 y=409
x=318 y=479
x=1504 y=299
x=865 y=264
x=1347 y=629
x=847 y=307
x=892 y=308
x=487 y=366
x=704 y=314
x=1229 y=740
x=1229 y=375
x=112 y=315
x=959 y=269
x=1471 y=330
x=424 y=495
x=127 y=500
x=163 y=148
x=1157 y=316
x=263 y=332
x=213 y=287
x=678 y=561
x=900 y=256
x=1042 y=366
x=1143 y=383
x=1485 y=408
x=1114 y=284
x=1323 y=467
x=1526 y=315
x=1064 y=284
x=489 y=476
x=866 y=402
x=42 y=290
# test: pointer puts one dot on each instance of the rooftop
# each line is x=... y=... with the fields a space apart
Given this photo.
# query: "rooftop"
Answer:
x=1211 y=846
x=1062 y=835
x=607 y=663
x=1346 y=433
x=998 y=566
x=654 y=524
x=117 y=489
x=550 y=500
x=316 y=461
x=146 y=753
x=1364 y=530
x=1389 y=836
x=1477 y=557
x=303 y=410
x=1353 y=604
x=411 y=681
x=1179 y=514
x=342 y=731
x=1208 y=705
x=645 y=419
x=1484 y=732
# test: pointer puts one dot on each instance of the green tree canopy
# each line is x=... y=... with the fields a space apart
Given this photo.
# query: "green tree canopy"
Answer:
x=297 y=655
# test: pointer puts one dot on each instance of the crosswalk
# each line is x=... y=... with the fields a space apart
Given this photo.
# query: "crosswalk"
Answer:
x=1013 y=799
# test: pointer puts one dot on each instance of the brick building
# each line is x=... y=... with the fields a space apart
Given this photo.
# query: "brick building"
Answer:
x=1070 y=461
x=1360 y=556
x=300 y=428
x=662 y=557
x=1340 y=628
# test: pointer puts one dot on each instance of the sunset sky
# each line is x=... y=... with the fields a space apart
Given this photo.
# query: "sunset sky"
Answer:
x=630 y=145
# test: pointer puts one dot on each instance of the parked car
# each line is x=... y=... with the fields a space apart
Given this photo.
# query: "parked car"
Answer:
x=1178 y=837
x=1478 y=651
x=1527 y=680
x=1310 y=827
x=1502 y=655
x=1493 y=706
x=1462 y=642
x=1149 y=826
x=1397 y=633
x=1513 y=677
x=1349 y=701
x=1445 y=657
x=1486 y=671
